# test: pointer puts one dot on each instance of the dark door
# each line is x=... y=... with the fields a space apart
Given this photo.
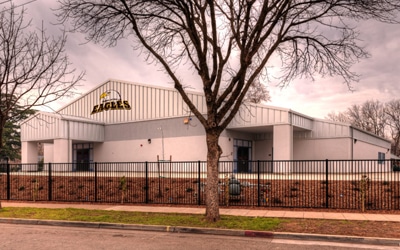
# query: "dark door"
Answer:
x=243 y=159
x=82 y=159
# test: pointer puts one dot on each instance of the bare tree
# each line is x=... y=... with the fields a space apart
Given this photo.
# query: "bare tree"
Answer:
x=338 y=117
x=392 y=110
x=370 y=116
x=257 y=93
x=229 y=44
x=33 y=68
x=374 y=114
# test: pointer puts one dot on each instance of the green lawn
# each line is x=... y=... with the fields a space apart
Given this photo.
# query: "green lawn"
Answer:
x=168 y=219
x=314 y=226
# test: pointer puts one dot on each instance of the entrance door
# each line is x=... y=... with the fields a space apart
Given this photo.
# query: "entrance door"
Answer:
x=243 y=159
x=82 y=159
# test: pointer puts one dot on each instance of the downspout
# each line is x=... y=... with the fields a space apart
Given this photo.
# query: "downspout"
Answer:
x=352 y=148
x=352 y=142
x=69 y=145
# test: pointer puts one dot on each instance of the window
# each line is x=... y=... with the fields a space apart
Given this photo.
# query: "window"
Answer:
x=82 y=156
x=242 y=155
x=381 y=157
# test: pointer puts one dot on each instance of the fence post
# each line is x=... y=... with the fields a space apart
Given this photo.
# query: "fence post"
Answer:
x=95 y=182
x=199 y=185
x=147 y=183
x=258 y=183
x=327 y=184
x=8 y=180
x=50 y=188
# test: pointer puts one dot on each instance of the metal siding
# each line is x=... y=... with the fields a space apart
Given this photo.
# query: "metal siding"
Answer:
x=253 y=115
x=43 y=127
x=327 y=129
x=149 y=103
x=301 y=121
x=371 y=139
x=265 y=116
x=259 y=115
x=278 y=116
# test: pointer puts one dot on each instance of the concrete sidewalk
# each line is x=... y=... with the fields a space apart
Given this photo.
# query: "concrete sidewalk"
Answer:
x=223 y=211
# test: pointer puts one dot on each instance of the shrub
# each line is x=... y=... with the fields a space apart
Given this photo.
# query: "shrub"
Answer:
x=277 y=200
x=41 y=165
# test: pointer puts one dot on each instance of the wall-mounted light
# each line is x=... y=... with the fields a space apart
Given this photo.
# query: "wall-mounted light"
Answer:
x=355 y=141
x=162 y=141
x=149 y=141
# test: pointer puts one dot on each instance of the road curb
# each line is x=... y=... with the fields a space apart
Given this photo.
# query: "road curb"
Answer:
x=213 y=231
x=339 y=238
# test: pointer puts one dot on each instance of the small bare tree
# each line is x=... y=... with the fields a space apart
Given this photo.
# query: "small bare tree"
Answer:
x=257 y=93
x=338 y=117
x=369 y=116
x=392 y=110
x=229 y=43
x=33 y=68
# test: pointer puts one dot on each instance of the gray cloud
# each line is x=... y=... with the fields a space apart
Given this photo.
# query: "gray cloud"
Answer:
x=379 y=73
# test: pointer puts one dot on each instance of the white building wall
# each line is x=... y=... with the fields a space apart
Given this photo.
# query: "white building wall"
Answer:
x=263 y=150
x=29 y=152
x=321 y=149
x=283 y=142
x=190 y=148
x=370 y=138
x=48 y=152
x=62 y=151
x=367 y=151
x=118 y=133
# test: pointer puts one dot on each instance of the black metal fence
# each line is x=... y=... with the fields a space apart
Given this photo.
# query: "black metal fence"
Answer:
x=358 y=184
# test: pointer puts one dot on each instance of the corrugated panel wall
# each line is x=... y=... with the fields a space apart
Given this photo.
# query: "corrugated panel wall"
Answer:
x=259 y=115
x=324 y=129
x=147 y=103
x=363 y=136
x=301 y=121
x=41 y=127
x=47 y=127
x=84 y=131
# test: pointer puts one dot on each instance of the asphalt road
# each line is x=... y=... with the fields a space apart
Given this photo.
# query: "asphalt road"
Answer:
x=21 y=237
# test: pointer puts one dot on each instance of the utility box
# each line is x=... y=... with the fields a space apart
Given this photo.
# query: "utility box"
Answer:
x=234 y=187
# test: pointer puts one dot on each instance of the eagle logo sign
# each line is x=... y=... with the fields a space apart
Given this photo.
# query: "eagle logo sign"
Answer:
x=110 y=95
x=111 y=100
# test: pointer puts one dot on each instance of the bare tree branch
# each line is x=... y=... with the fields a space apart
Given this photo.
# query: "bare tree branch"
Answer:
x=34 y=69
x=229 y=44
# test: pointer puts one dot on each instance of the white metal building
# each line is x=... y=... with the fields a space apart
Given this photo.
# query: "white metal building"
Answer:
x=128 y=122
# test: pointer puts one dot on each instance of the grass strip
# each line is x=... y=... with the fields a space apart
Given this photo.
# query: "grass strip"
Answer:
x=314 y=226
x=170 y=219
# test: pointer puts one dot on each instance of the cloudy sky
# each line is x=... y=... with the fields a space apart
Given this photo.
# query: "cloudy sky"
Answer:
x=379 y=73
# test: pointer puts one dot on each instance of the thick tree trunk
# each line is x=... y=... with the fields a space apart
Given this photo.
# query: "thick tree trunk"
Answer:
x=212 y=196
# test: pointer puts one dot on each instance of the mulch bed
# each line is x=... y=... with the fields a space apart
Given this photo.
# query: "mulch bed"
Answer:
x=382 y=196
